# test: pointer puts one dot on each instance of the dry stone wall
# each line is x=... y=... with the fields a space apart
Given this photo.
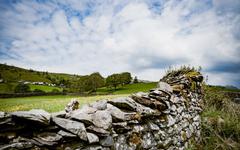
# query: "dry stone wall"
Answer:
x=166 y=117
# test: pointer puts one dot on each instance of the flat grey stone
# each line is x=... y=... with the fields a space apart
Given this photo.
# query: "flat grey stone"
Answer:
x=81 y=116
x=165 y=87
x=47 y=139
x=36 y=115
x=74 y=127
x=19 y=145
x=121 y=127
x=102 y=119
x=100 y=105
x=118 y=114
x=98 y=131
x=129 y=104
x=66 y=134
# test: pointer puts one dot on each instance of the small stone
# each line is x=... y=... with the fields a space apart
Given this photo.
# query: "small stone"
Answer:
x=152 y=126
x=92 y=138
x=180 y=109
x=197 y=118
x=138 y=128
x=171 y=121
x=107 y=141
x=148 y=141
x=173 y=108
x=73 y=105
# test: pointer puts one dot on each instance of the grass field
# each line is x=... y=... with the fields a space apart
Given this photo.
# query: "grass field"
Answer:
x=44 y=88
x=57 y=103
x=48 y=103
x=129 y=88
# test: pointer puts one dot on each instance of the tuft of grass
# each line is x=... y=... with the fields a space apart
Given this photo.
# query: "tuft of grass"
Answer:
x=190 y=71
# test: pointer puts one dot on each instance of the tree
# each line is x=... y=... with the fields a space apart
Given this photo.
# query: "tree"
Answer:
x=22 y=88
x=125 y=78
x=113 y=80
x=91 y=82
x=94 y=81
x=135 y=80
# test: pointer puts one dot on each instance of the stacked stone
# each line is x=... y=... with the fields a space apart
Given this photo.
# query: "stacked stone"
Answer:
x=164 y=118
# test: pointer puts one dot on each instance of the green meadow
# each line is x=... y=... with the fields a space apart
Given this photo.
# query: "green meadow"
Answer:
x=48 y=103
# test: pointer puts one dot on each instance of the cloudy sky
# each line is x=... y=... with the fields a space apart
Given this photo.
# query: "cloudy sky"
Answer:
x=143 y=37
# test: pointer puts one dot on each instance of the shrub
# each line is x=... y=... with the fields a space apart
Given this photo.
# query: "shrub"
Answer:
x=22 y=88
x=55 y=91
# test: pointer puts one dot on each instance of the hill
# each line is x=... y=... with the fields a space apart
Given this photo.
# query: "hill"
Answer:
x=10 y=76
x=15 y=74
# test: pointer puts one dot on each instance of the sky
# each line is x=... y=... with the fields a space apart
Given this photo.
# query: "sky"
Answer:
x=143 y=37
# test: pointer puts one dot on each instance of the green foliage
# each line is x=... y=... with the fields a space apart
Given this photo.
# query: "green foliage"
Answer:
x=116 y=79
x=135 y=80
x=90 y=83
x=125 y=78
x=7 y=87
x=38 y=91
x=55 y=91
x=22 y=88
x=113 y=80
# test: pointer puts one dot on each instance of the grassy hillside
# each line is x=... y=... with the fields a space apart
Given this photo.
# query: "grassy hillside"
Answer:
x=11 y=76
x=15 y=74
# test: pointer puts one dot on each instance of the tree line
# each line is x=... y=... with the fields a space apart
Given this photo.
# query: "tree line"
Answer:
x=88 y=83
x=92 y=82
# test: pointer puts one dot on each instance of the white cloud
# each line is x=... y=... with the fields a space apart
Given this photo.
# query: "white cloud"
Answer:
x=122 y=36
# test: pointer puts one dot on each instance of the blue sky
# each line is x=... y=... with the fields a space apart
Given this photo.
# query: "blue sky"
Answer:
x=144 y=37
